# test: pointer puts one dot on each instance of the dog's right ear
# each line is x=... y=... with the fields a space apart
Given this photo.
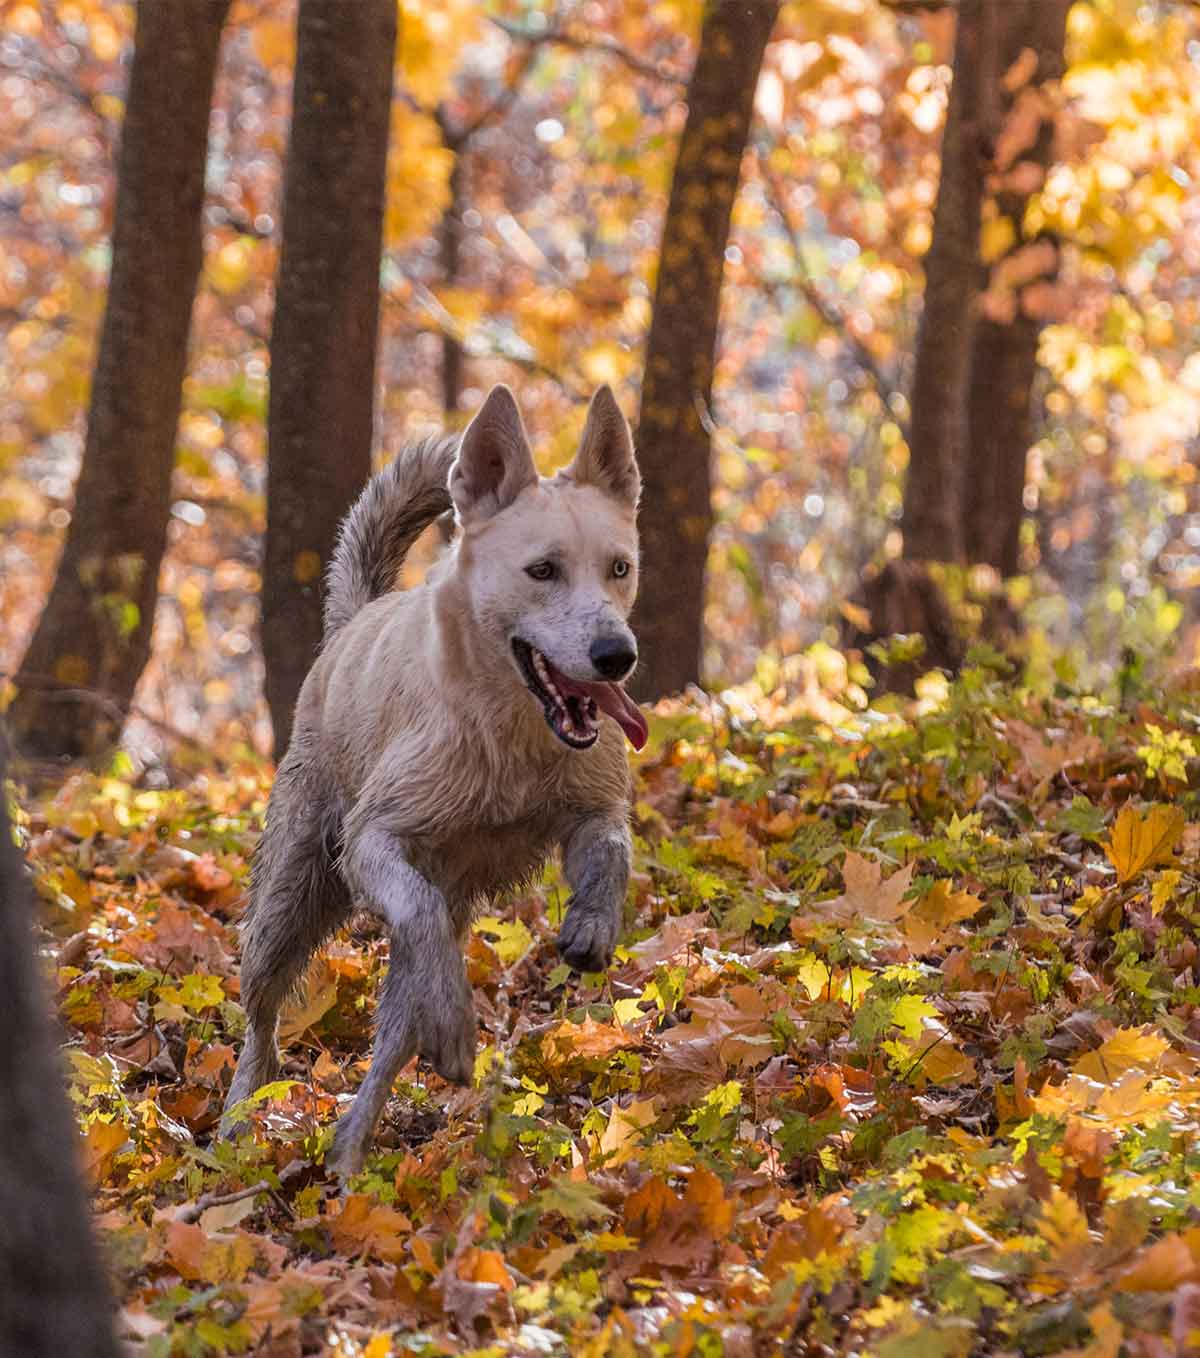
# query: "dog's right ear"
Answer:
x=494 y=462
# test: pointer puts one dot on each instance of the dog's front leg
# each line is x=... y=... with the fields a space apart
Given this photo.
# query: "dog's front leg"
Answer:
x=426 y=1006
x=596 y=859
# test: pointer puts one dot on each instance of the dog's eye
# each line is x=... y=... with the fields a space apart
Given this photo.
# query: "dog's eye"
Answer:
x=541 y=570
x=620 y=568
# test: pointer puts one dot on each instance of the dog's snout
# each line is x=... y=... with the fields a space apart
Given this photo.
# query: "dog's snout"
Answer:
x=613 y=657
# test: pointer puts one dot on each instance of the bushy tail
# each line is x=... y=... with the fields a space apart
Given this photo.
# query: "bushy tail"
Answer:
x=396 y=505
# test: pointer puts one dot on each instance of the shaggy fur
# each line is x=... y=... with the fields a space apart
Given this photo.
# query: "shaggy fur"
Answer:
x=423 y=776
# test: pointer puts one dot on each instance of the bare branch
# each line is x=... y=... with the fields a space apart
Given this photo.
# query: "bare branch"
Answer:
x=884 y=385
x=555 y=36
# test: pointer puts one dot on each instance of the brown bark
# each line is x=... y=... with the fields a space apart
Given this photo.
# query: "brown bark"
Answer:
x=93 y=636
x=450 y=245
x=1004 y=353
x=932 y=516
x=53 y=1296
x=323 y=343
x=673 y=442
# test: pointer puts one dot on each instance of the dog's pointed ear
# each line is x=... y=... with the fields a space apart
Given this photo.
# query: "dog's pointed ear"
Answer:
x=606 y=458
x=494 y=462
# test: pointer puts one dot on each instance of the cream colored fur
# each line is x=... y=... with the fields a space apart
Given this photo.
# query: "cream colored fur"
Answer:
x=422 y=777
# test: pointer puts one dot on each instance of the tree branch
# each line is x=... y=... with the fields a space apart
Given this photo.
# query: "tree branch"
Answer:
x=556 y=36
x=886 y=388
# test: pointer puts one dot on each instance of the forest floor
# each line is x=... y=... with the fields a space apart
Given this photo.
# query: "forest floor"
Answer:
x=901 y=1055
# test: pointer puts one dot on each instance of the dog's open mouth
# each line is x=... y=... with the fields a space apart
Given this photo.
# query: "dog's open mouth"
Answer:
x=573 y=707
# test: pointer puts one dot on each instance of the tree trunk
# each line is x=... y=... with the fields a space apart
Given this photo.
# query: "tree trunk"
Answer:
x=672 y=437
x=1004 y=355
x=323 y=343
x=932 y=516
x=53 y=1296
x=450 y=248
x=93 y=638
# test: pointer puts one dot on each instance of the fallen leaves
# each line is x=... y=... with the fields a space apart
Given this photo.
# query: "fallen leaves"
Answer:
x=914 y=1051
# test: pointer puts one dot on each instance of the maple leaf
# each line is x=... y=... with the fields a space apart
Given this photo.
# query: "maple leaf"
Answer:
x=933 y=917
x=360 y=1225
x=1140 y=841
x=868 y=895
x=1127 y=1049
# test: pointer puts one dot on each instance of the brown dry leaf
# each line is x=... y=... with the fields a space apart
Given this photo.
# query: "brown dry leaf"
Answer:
x=1140 y=841
x=868 y=894
x=932 y=919
x=1161 y=1267
x=676 y=935
x=485 y=1266
x=583 y=1041
x=360 y=1225
x=101 y=1141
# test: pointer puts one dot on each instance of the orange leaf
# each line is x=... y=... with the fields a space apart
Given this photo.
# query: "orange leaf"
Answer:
x=1143 y=841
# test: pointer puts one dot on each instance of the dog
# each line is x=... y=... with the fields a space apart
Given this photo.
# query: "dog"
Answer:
x=449 y=737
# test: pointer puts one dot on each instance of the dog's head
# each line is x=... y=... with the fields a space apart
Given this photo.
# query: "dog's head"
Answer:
x=551 y=565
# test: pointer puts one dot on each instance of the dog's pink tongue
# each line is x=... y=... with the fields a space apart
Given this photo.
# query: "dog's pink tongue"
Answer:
x=613 y=700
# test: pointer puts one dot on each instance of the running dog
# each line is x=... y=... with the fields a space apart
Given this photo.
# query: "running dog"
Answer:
x=448 y=738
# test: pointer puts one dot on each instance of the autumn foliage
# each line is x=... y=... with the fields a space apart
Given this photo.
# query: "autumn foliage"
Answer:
x=900 y=1049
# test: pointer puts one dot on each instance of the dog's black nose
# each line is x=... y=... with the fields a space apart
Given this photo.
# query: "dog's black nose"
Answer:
x=613 y=657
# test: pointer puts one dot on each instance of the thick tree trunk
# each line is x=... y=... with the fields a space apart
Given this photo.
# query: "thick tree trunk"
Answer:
x=93 y=638
x=53 y=1296
x=932 y=515
x=326 y=322
x=672 y=438
x=1004 y=354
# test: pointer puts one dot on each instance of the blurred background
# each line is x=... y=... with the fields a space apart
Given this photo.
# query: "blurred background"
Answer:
x=1019 y=466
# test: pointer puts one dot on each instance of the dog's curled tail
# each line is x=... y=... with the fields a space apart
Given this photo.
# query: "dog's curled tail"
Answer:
x=395 y=507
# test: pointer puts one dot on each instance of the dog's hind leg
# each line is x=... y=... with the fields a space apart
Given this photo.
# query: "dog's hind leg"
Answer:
x=596 y=860
x=298 y=899
x=426 y=1006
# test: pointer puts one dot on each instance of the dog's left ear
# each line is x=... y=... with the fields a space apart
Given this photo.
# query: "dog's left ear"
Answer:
x=606 y=458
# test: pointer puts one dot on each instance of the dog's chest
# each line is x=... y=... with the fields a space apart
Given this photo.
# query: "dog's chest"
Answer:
x=486 y=860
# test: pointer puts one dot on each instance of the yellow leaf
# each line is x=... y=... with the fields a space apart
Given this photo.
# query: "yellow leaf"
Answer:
x=1127 y=1049
x=1143 y=841
x=619 y=1140
x=379 y=1346
x=1163 y=890
x=510 y=939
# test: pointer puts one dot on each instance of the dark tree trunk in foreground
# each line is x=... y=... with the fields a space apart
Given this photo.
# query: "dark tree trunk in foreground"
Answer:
x=326 y=322
x=92 y=641
x=672 y=440
x=450 y=249
x=932 y=516
x=1004 y=357
x=53 y=1296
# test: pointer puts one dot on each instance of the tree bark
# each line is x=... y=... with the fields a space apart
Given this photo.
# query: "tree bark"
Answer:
x=931 y=521
x=450 y=249
x=323 y=343
x=1004 y=353
x=93 y=637
x=54 y=1298
x=672 y=437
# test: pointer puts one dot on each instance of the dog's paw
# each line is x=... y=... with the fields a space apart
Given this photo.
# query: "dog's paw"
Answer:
x=448 y=1041
x=587 y=939
x=348 y=1154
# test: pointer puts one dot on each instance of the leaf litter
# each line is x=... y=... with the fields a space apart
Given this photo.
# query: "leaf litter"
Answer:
x=901 y=1054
